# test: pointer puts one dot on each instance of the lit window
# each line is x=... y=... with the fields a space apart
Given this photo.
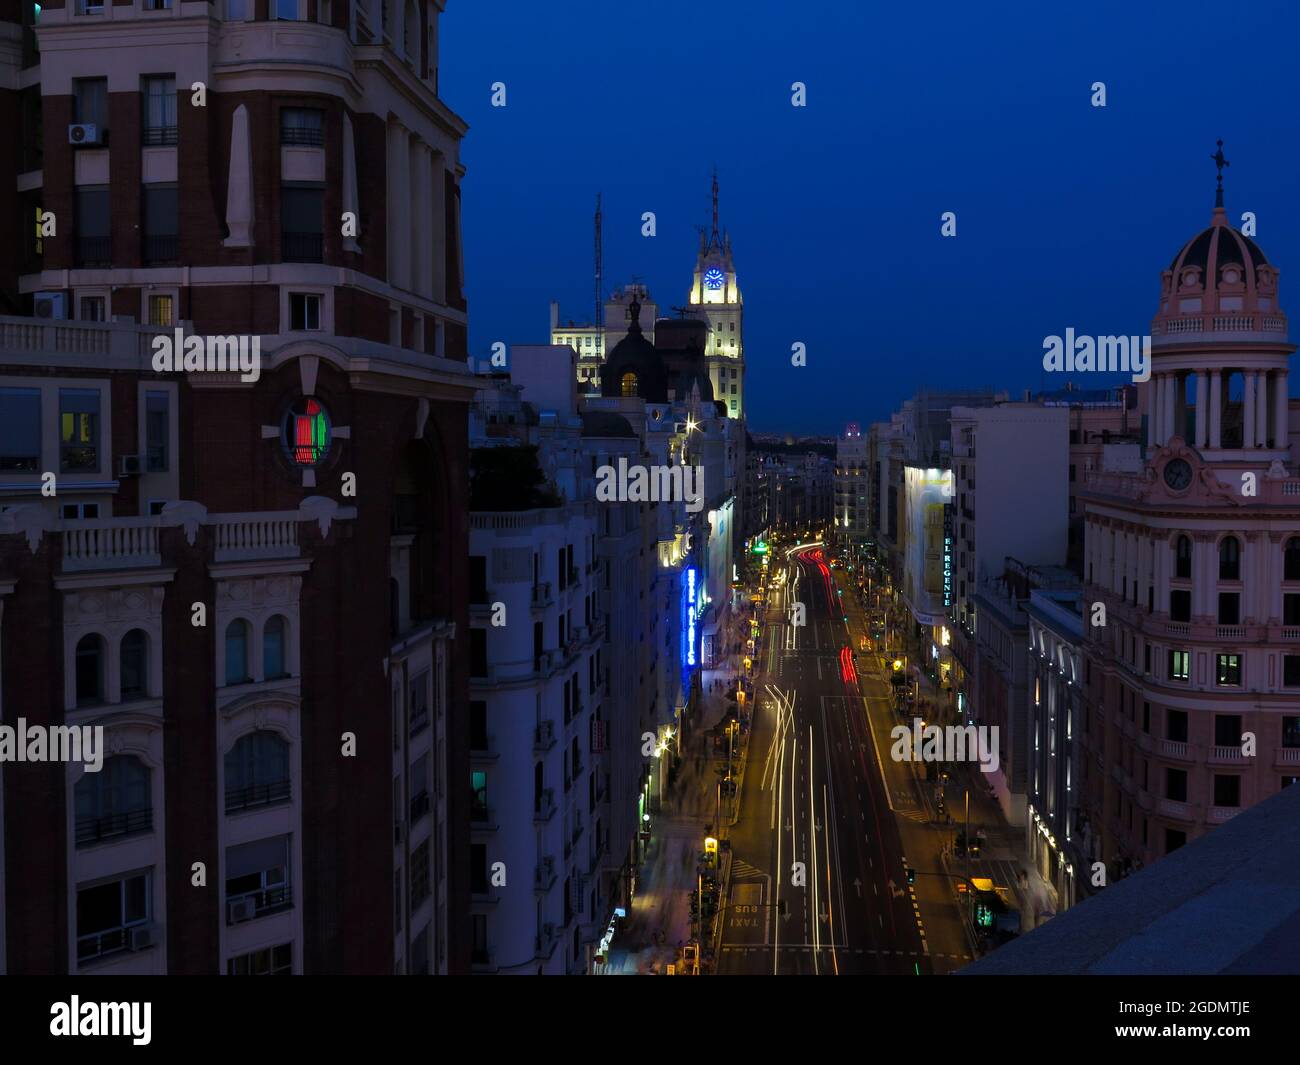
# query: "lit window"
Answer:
x=160 y=310
x=305 y=433
x=1228 y=670
x=628 y=385
x=79 y=428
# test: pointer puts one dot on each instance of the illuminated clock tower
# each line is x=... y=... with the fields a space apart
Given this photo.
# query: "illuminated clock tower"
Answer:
x=715 y=298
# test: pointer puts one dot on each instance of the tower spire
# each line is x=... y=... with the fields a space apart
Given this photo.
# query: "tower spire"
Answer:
x=1220 y=162
x=714 y=239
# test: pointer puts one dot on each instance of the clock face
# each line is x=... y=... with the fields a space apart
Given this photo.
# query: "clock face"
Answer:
x=713 y=278
x=1178 y=474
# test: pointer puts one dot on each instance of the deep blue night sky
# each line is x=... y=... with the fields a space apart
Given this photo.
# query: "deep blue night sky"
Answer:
x=1066 y=213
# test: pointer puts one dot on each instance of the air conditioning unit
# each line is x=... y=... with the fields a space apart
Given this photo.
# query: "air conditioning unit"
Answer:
x=85 y=135
x=242 y=910
x=50 y=305
x=129 y=465
x=141 y=937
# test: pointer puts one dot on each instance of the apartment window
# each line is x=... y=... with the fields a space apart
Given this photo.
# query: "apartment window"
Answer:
x=1146 y=717
x=161 y=310
x=478 y=868
x=478 y=652
x=106 y=914
x=301 y=220
x=419 y=692
x=1174 y=838
x=91 y=309
x=273 y=961
x=79 y=429
x=236 y=11
x=478 y=734
x=90 y=102
x=273 y=648
x=134 y=662
x=90 y=7
x=286 y=10
x=1180 y=605
x=90 y=670
x=1227 y=730
x=1227 y=670
x=1291 y=608
x=419 y=873
x=1179 y=667
x=1176 y=725
x=1227 y=790
x=161 y=243
x=1176 y=784
x=419 y=786
x=257 y=771
x=1291 y=732
x=20 y=430
x=304 y=310
x=1183 y=558
x=420 y=953
x=478 y=579
x=93 y=214
x=304 y=126
x=114 y=802
x=257 y=879
x=1229 y=608
x=159 y=97
x=1291 y=560
x=1230 y=559
x=479 y=948
x=1291 y=671
x=157 y=430
x=237 y=652
x=478 y=797
x=157 y=5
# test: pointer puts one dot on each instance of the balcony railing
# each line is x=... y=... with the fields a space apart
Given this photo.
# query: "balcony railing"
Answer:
x=158 y=136
x=111 y=543
x=101 y=944
x=113 y=826
x=246 y=798
x=302 y=247
x=161 y=250
x=94 y=252
x=265 y=902
x=302 y=137
x=244 y=538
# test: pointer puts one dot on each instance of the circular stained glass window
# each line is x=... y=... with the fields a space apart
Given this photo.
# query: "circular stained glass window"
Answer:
x=305 y=432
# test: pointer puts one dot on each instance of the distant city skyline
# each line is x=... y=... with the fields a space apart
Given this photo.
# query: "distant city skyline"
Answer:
x=1066 y=213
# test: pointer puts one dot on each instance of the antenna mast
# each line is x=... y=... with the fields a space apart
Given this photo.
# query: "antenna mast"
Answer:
x=600 y=332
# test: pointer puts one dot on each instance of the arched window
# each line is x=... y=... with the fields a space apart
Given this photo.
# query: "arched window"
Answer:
x=1183 y=557
x=1291 y=560
x=273 y=660
x=237 y=652
x=1229 y=559
x=628 y=384
x=257 y=771
x=133 y=658
x=116 y=801
x=90 y=670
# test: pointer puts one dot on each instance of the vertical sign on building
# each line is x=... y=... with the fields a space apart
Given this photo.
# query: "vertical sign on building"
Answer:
x=947 y=556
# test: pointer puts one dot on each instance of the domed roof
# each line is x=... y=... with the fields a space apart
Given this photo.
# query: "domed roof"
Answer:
x=605 y=423
x=1232 y=246
x=634 y=355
